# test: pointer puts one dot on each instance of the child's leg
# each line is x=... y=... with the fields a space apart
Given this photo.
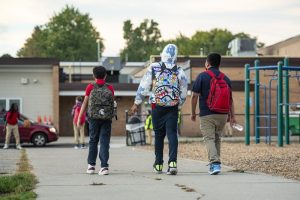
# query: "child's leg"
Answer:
x=104 y=142
x=94 y=139
x=149 y=136
x=81 y=131
x=76 y=140
x=8 y=133
x=15 y=130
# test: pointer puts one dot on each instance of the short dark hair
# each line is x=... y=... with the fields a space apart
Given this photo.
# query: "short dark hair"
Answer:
x=214 y=59
x=99 y=72
x=79 y=98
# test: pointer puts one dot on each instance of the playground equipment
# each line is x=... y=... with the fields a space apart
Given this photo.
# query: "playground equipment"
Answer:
x=280 y=104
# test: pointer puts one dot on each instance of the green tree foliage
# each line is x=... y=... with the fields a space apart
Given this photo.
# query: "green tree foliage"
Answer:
x=204 y=42
x=35 y=46
x=69 y=35
x=6 y=55
x=142 y=41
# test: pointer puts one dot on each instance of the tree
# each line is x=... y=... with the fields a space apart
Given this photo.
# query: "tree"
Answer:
x=182 y=42
x=69 y=35
x=6 y=55
x=219 y=40
x=35 y=46
x=204 y=42
x=142 y=41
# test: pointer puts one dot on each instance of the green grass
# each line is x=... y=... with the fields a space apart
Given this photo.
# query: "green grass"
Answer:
x=19 y=185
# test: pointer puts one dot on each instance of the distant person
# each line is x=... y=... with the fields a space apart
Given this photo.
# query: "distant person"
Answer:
x=11 y=125
x=167 y=83
x=213 y=89
x=79 y=137
x=149 y=128
x=2 y=110
x=99 y=102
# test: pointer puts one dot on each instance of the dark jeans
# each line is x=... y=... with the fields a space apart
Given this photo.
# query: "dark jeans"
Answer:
x=99 y=129
x=164 y=121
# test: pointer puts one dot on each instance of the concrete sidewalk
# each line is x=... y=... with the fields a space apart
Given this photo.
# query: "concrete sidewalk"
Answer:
x=61 y=173
x=8 y=160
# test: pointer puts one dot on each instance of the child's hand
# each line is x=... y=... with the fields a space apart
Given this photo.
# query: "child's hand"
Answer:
x=133 y=109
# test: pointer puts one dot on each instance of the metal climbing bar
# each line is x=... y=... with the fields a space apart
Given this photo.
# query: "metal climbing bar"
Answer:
x=286 y=100
x=275 y=67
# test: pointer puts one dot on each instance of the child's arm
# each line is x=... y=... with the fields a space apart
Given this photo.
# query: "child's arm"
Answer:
x=83 y=109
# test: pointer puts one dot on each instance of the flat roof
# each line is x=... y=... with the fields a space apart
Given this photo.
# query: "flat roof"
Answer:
x=29 y=61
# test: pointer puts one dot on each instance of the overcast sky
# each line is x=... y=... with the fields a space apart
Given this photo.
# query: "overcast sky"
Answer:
x=269 y=20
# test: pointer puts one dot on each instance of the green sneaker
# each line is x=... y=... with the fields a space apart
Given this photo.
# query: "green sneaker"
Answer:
x=157 y=168
x=172 y=169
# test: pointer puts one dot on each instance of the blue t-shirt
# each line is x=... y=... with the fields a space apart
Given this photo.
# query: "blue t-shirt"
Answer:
x=202 y=86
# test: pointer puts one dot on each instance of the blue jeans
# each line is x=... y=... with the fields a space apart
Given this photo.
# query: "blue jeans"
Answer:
x=99 y=129
x=164 y=121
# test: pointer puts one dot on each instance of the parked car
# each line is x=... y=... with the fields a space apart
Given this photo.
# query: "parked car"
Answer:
x=31 y=132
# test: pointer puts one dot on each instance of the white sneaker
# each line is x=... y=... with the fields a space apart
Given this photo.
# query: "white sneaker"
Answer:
x=103 y=171
x=5 y=146
x=18 y=147
x=90 y=169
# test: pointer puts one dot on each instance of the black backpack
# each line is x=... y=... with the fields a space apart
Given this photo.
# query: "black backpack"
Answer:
x=101 y=103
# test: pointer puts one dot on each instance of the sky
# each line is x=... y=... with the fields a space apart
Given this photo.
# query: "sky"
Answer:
x=271 y=21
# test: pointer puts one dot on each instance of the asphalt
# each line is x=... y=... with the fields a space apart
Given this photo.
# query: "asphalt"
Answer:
x=61 y=173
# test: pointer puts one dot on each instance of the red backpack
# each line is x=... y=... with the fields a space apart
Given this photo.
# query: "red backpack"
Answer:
x=219 y=98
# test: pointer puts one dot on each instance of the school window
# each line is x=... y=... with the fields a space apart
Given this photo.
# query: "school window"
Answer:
x=5 y=103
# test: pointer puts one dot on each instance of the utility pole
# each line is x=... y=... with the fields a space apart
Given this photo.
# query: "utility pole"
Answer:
x=98 y=50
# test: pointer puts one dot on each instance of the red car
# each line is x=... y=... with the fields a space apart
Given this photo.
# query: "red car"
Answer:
x=38 y=134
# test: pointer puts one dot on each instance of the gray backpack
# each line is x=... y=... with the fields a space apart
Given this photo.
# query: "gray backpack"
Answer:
x=101 y=103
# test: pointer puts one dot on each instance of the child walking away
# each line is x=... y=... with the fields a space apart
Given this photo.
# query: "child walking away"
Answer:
x=213 y=89
x=99 y=101
x=78 y=130
x=11 y=125
x=167 y=83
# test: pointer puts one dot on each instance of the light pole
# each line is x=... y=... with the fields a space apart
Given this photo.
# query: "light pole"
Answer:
x=98 y=49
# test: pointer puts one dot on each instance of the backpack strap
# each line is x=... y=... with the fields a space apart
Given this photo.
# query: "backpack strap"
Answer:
x=213 y=75
x=163 y=67
x=98 y=85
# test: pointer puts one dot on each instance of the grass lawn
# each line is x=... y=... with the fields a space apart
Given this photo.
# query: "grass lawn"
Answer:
x=19 y=185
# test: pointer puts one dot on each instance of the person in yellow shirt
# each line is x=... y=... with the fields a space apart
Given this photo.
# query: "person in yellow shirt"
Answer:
x=149 y=128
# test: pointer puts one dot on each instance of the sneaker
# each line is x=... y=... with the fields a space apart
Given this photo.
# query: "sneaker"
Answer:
x=103 y=171
x=90 y=169
x=172 y=169
x=18 y=146
x=5 y=146
x=76 y=146
x=82 y=146
x=157 y=168
x=214 y=168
